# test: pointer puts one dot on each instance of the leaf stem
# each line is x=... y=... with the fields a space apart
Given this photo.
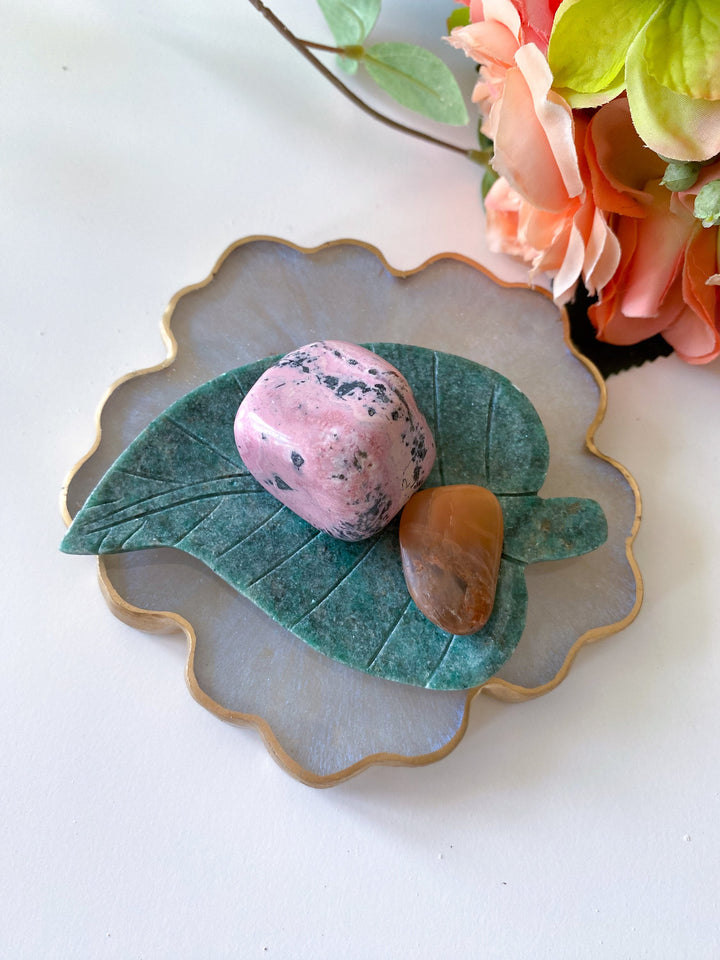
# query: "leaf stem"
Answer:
x=302 y=47
x=322 y=46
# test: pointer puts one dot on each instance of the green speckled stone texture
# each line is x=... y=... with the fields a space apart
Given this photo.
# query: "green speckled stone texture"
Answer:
x=182 y=484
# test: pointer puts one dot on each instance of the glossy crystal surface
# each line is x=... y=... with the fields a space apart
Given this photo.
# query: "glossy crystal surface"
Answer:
x=451 y=542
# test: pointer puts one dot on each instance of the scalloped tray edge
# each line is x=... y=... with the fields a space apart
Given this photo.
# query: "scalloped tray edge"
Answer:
x=157 y=621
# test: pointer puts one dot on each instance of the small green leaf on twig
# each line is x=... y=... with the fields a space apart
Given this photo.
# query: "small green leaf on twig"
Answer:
x=418 y=80
x=458 y=18
x=351 y=57
x=680 y=175
x=350 y=22
x=305 y=47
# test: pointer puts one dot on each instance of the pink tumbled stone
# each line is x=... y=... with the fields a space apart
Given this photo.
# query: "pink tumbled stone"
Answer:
x=334 y=432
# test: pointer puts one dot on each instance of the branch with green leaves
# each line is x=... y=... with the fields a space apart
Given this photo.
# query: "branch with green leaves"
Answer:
x=414 y=77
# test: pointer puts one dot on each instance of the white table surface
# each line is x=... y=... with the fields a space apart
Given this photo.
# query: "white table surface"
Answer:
x=137 y=141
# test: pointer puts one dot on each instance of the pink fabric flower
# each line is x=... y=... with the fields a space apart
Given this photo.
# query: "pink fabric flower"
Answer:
x=559 y=231
x=498 y=30
x=534 y=135
x=665 y=282
x=579 y=195
x=537 y=20
x=540 y=209
x=664 y=279
x=531 y=125
x=492 y=39
x=535 y=17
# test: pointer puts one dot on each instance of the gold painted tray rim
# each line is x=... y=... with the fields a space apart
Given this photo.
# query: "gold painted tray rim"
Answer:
x=162 y=621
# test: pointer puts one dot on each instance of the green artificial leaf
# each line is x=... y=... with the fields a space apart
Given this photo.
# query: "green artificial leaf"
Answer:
x=707 y=204
x=682 y=47
x=680 y=175
x=671 y=123
x=348 y=64
x=589 y=43
x=489 y=178
x=350 y=20
x=418 y=80
x=182 y=484
x=460 y=17
x=485 y=143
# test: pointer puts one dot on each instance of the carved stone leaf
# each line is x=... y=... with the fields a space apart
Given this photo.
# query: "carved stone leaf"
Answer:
x=182 y=484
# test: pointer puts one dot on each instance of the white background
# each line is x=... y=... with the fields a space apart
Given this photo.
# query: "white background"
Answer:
x=137 y=141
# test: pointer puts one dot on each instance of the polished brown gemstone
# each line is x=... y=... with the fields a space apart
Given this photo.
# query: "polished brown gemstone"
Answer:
x=451 y=541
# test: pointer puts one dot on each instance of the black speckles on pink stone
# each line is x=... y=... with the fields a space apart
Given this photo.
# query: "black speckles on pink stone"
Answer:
x=350 y=386
x=365 y=444
x=373 y=515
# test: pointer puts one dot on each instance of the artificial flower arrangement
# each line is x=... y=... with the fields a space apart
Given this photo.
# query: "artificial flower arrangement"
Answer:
x=600 y=122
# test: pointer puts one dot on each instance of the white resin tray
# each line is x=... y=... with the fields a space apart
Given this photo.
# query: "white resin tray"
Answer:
x=321 y=720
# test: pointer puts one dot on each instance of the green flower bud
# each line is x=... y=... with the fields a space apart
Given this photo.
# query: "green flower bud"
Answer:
x=680 y=175
x=707 y=204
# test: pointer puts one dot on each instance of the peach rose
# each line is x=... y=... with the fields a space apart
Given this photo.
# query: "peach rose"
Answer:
x=534 y=137
x=569 y=241
x=498 y=31
x=537 y=20
x=492 y=39
x=666 y=279
x=530 y=124
x=535 y=17
x=620 y=164
x=542 y=209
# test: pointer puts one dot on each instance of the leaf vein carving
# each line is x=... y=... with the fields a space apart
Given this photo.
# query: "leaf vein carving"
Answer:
x=199 y=522
x=135 y=474
x=443 y=655
x=275 y=566
x=115 y=519
x=119 y=546
x=436 y=400
x=356 y=563
x=247 y=535
x=488 y=429
x=201 y=440
x=389 y=636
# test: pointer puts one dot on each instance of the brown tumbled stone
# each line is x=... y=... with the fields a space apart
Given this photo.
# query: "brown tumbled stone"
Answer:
x=451 y=542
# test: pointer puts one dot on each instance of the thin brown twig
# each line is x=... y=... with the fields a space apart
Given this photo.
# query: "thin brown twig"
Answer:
x=301 y=47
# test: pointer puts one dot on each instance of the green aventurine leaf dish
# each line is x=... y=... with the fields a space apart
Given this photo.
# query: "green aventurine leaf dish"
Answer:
x=182 y=484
